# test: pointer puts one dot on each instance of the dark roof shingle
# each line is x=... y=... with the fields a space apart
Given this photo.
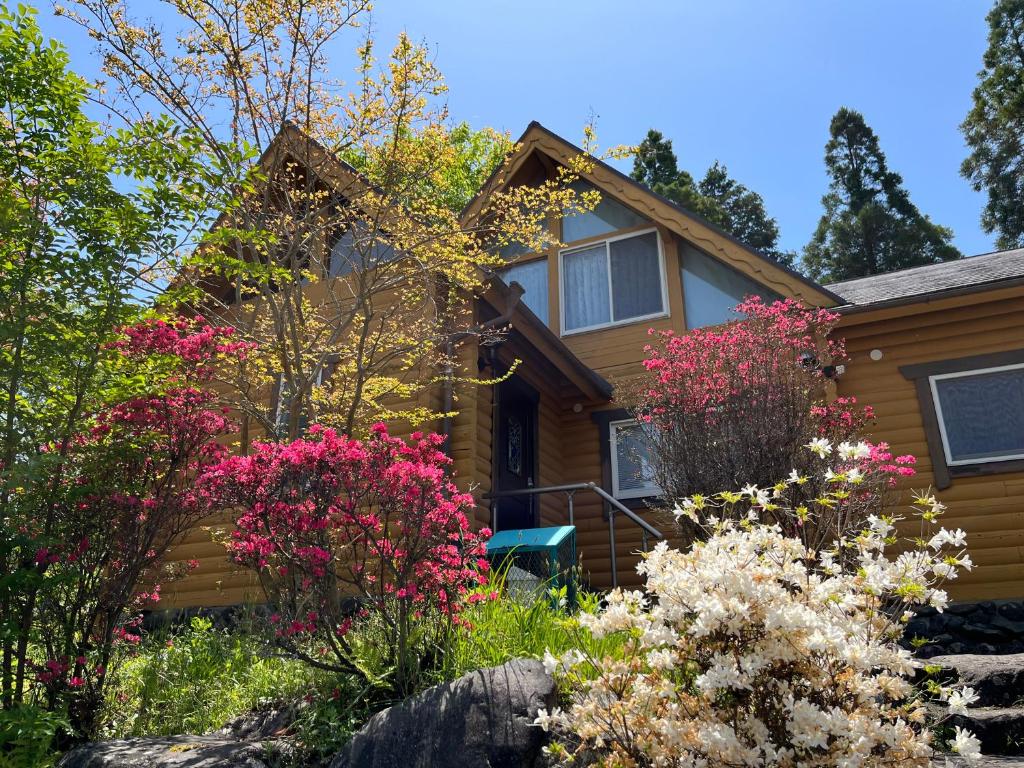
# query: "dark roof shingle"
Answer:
x=907 y=284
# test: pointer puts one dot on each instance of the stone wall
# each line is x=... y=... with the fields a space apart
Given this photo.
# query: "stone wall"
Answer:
x=992 y=626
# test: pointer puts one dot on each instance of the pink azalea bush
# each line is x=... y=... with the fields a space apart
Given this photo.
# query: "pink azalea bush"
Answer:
x=753 y=649
x=737 y=403
x=96 y=520
x=350 y=537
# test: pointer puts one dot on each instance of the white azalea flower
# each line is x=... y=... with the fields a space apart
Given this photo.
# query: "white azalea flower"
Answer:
x=966 y=744
x=820 y=446
x=959 y=701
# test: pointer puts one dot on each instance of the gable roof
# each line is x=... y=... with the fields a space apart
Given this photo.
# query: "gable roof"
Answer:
x=683 y=222
x=974 y=273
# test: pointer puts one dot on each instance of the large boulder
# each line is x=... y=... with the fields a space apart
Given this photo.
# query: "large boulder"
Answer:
x=482 y=720
x=167 y=752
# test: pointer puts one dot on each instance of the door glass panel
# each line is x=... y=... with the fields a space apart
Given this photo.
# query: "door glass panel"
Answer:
x=515 y=446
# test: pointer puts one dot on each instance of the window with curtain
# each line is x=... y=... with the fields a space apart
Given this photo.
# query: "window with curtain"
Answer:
x=980 y=414
x=712 y=289
x=632 y=469
x=533 y=276
x=611 y=282
x=608 y=216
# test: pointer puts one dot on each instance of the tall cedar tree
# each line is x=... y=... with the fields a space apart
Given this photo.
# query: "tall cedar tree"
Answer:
x=994 y=128
x=717 y=197
x=869 y=225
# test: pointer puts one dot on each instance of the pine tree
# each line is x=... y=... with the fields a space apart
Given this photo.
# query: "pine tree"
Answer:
x=743 y=213
x=994 y=128
x=721 y=200
x=870 y=225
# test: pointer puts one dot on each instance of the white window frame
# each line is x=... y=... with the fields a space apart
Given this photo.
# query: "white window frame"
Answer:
x=648 y=490
x=942 y=422
x=606 y=242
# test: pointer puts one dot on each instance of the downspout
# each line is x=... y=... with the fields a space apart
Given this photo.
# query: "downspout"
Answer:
x=515 y=293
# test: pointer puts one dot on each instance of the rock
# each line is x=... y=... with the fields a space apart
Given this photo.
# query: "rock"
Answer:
x=482 y=720
x=982 y=631
x=961 y=609
x=986 y=761
x=999 y=729
x=167 y=752
x=1012 y=611
x=267 y=721
x=998 y=680
x=1014 y=628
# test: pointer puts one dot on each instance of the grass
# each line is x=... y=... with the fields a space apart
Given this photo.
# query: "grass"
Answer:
x=510 y=628
x=196 y=679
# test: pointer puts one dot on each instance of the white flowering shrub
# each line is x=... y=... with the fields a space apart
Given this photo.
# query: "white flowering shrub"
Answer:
x=753 y=650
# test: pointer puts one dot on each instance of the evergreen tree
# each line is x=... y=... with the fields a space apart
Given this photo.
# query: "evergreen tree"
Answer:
x=870 y=225
x=743 y=213
x=994 y=128
x=718 y=198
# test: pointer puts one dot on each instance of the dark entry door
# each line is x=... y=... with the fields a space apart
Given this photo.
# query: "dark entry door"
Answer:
x=516 y=453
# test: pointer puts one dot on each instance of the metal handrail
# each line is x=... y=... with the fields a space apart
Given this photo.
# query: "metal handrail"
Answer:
x=570 y=490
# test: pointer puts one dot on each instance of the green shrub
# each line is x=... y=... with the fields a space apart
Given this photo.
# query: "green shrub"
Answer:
x=503 y=626
x=194 y=680
x=26 y=736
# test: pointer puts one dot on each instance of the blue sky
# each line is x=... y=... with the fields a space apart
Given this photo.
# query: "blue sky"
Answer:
x=750 y=83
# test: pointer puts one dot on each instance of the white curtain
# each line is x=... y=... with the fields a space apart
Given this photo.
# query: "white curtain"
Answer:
x=585 y=288
x=636 y=277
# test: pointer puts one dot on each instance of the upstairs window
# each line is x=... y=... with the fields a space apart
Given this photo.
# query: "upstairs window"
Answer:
x=632 y=469
x=358 y=247
x=980 y=414
x=608 y=216
x=615 y=281
x=711 y=289
x=533 y=276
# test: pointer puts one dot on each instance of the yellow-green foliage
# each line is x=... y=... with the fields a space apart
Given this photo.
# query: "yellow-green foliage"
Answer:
x=195 y=680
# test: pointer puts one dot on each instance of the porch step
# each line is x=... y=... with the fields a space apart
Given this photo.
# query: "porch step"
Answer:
x=998 y=680
x=1000 y=729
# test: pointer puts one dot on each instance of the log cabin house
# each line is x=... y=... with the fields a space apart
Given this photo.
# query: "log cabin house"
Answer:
x=937 y=350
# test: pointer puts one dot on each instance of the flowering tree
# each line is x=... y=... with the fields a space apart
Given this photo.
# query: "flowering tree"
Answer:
x=92 y=530
x=329 y=517
x=738 y=403
x=344 y=255
x=752 y=649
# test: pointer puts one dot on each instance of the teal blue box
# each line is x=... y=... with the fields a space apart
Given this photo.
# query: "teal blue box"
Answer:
x=537 y=559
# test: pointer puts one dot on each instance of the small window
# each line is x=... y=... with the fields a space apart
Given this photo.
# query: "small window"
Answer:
x=533 y=276
x=632 y=469
x=608 y=216
x=615 y=281
x=358 y=247
x=711 y=290
x=980 y=414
